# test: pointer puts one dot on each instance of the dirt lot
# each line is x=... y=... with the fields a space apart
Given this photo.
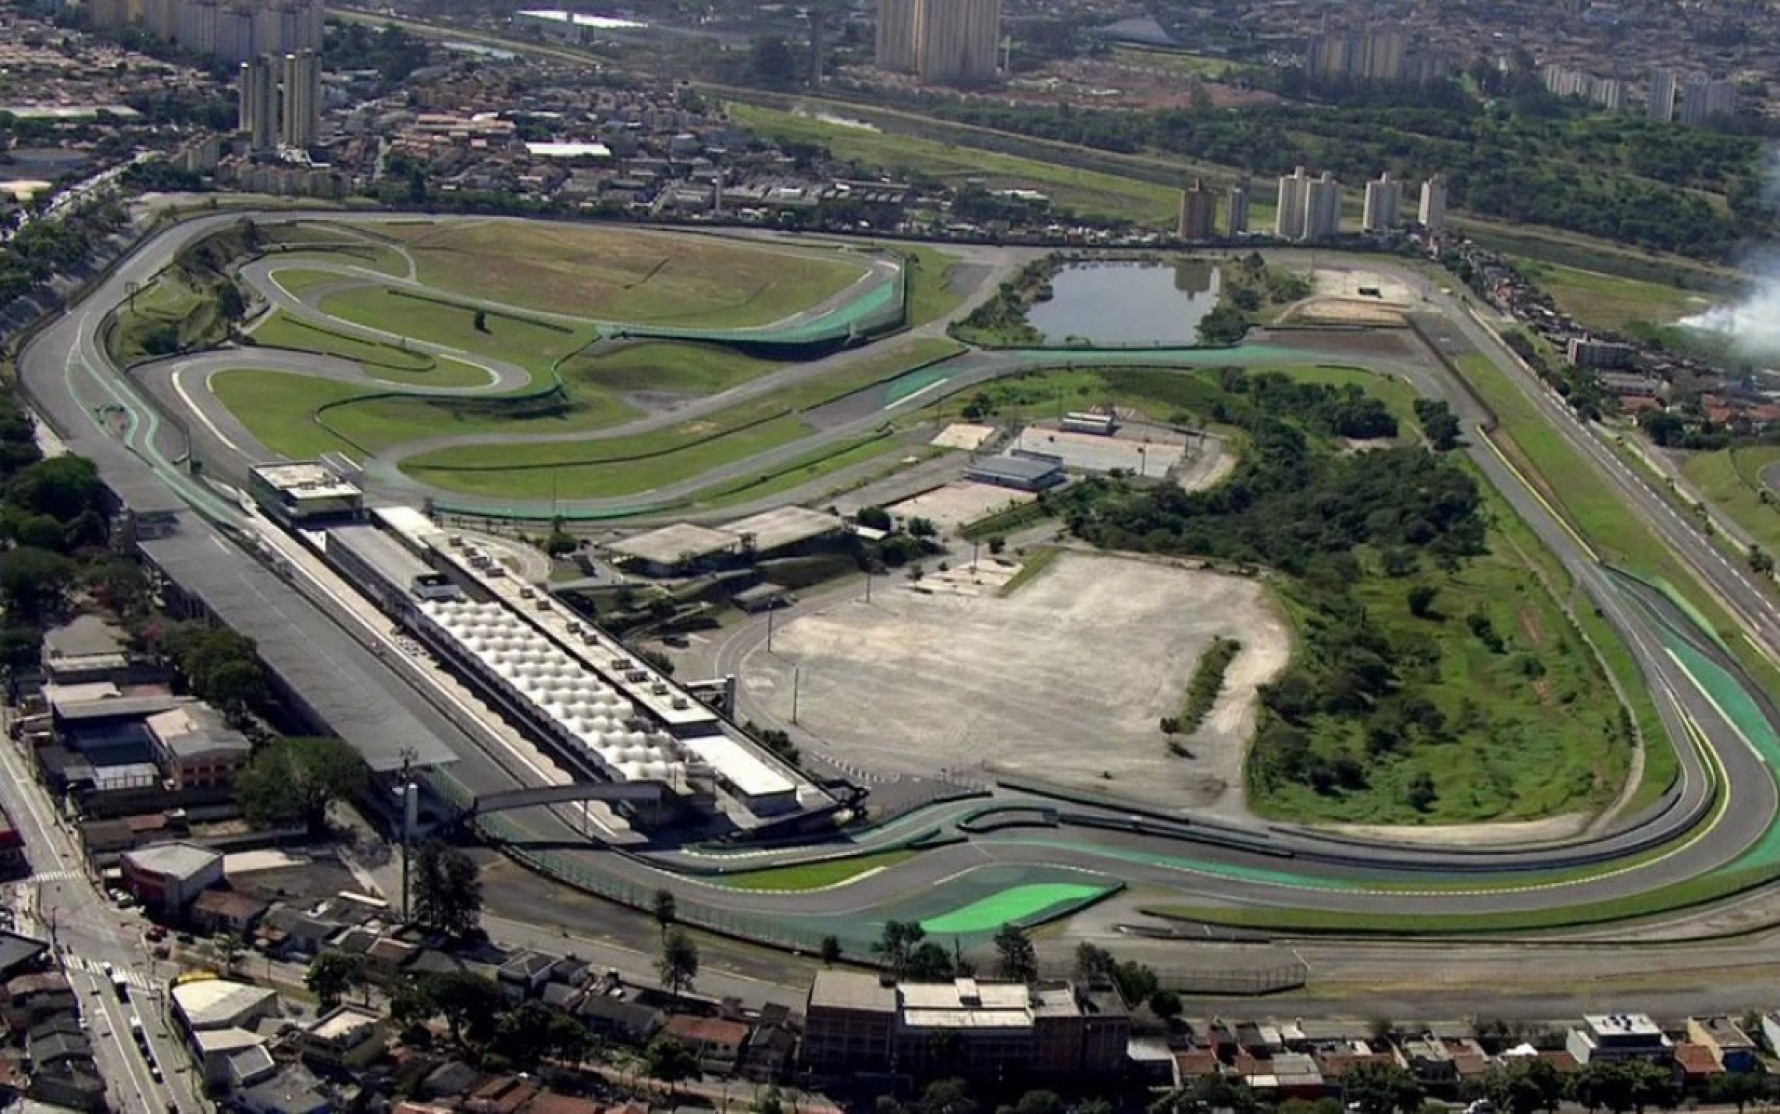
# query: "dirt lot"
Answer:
x=1062 y=681
x=958 y=503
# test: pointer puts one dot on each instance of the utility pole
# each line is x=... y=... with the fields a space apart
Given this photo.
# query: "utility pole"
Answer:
x=769 y=629
x=407 y=821
x=796 y=679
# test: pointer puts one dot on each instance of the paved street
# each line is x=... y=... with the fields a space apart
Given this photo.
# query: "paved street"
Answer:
x=65 y=906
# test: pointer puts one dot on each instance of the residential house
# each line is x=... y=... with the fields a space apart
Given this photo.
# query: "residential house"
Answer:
x=620 y=1019
x=291 y=1091
x=34 y=997
x=220 y=911
x=524 y=974
x=717 y=1042
x=344 y=1037
x=1730 y=1045
x=1430 y=1061
x=503 y=1094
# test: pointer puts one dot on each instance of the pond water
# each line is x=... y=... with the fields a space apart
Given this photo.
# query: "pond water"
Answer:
x=1127 y=304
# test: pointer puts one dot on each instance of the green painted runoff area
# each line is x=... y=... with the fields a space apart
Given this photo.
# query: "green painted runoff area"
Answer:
x=1018 y=903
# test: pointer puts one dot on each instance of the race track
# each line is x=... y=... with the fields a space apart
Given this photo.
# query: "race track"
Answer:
x=1714 y=833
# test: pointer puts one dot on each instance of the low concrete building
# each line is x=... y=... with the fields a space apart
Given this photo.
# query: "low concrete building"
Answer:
x=855 y=1022
x=344 y=1037
x=302 y=491
x=1730 y=1045
x=1022 y=472
x=206 y=1004
x=196 y=749
x=86 y=648
x=168 y=877
x=215 y=1048
x=1619 y=1036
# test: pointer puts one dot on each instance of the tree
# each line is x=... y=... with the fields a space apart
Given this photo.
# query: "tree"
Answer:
x=447 y=894
x=1016 y=959
x=1092 y=961
x=678 y=964
x=1421 y=793
x=874 y=518
x=470 y=1003
x=480 y=321
x=1737 y=1089
x=1039 y=1102
x=897 y=943
x=929 y=961
x=947 y=1096
x=1381 y=1088
x=294 y=779
x=664 y=910
x=533 y=1030
x=831 y=950
x=1438 y=423
x=332 y=975
x=1760 y=560
x=34 y=582
x=670 y=1061
x=227 y=948
x=237 y=687
x=919 y=527
x=1166 y=1004
x=61 y=487
x=772 y=63
x=1421 y=600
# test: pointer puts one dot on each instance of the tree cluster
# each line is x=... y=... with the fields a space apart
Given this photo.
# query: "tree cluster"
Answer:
x=218 y=665
x=445 y=893
x=1296 y=506
x=1616 y=176
x=293 y=780
x=508 y=1036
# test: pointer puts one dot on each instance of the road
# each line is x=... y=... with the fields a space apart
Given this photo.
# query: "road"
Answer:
x=104 y=414
x=88 y=931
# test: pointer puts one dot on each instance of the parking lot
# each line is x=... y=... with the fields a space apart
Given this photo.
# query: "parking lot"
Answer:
x=1065 y=680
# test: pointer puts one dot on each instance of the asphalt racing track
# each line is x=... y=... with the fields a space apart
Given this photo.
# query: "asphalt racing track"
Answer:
x=1017 y=853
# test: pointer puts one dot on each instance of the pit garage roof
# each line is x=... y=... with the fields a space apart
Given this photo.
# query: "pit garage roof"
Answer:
x=672 y=545
x=783 y=526
x=751 y=775
x=378 y=550
x=326 y=667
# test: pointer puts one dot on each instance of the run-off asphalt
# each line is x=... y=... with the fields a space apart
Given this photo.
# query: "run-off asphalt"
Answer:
x=1065 y=681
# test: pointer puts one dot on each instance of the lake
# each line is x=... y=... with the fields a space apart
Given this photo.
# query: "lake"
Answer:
x=1119 y=305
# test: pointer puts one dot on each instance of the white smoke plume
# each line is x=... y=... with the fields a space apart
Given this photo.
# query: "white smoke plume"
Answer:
x=1752 y=322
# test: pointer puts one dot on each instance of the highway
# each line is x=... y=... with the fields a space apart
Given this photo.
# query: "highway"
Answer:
x=136 y=426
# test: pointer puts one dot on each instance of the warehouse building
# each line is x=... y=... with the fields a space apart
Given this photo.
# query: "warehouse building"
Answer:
x=1022 y=471
x=684 y=548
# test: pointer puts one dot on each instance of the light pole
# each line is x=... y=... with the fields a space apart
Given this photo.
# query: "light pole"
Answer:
x=408 y=801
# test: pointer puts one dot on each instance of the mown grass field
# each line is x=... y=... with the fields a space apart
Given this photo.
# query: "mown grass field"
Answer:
x=1730 y=479
x=625 y=274
x=280 y=409
x=815 y=876
x=1182 y=62
x=380 y=360
x=533 y=345
x=671 y=367
x=1084 y=191
x=1609 y=301
x=613 y=468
